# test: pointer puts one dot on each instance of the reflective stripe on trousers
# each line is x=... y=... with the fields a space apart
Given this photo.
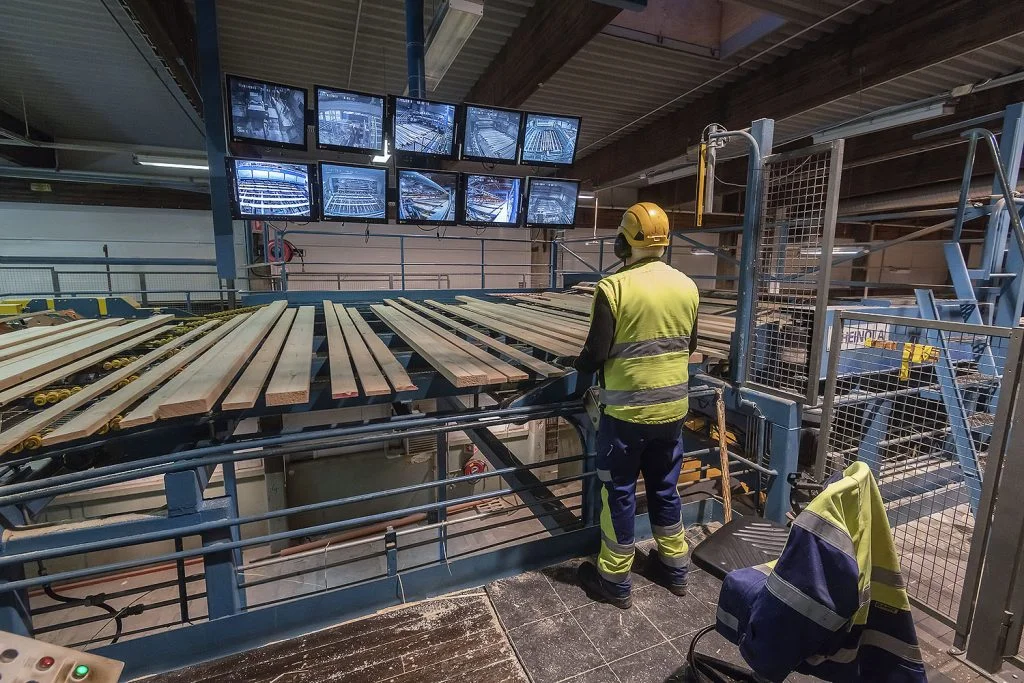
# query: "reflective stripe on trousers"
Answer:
x=672 y=546
x=615 y=559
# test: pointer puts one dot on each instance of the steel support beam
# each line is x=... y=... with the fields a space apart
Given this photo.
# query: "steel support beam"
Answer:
x=216 y=137
x=549 y=35
x=16 y=129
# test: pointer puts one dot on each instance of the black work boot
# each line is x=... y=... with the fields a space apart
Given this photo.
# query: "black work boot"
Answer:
x=664 y=577
x=601 y=589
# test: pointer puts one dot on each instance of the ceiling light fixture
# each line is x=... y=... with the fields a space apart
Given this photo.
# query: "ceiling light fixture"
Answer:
x=453 y=24
x=195 y=164
x=837 y=251
x=585 y=195
x=885 y=120
x=684 y=172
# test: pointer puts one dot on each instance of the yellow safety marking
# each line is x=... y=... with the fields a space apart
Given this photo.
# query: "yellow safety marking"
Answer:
x=49 y=305
x=102 y=302
x=916 y=353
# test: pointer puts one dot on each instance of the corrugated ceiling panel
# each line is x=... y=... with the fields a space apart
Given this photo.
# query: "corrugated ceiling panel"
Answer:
x=303 y=42
x=82 y=77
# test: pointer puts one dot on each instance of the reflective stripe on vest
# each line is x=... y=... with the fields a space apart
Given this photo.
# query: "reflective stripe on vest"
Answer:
x=645 y=397
x=883 y=641
x=650 y=347
x=826 y=531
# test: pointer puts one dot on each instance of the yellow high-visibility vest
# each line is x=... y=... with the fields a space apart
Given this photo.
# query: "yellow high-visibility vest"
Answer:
x=646 y=375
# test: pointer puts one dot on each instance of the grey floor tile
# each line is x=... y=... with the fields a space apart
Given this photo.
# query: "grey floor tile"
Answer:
x=654 y=665
x=673 y=615
x=616 y=632
x=563 y=580
x=524 y=598
x=554 y=648
x=704 y=587
x=602 y=674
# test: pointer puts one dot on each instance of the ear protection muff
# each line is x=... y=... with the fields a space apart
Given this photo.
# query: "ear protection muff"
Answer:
x=622 y=248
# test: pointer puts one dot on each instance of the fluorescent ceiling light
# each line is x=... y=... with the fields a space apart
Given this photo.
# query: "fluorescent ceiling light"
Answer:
x=383 y=158
x=837 y=251
x=684 y=172
x=884 y=121
x=701 y=252
x=585 y=195
x=453 y=24
x=171 y=162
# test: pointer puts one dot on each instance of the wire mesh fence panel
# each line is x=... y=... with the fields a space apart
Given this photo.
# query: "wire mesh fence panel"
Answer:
x=22 y=280
x=800 y=192
x=916 y=401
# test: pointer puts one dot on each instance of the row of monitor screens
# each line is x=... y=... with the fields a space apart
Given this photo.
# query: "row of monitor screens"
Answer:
x=347 y=121
x=344 y=192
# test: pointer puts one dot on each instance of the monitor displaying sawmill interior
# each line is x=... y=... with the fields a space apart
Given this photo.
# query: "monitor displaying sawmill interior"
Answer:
x=511 y=341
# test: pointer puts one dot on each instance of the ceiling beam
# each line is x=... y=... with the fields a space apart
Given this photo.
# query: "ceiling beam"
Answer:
x=36 y=157
x=100 y=194
x=895 y=40
x=547 y=37
x=878 y=148
x=170 y=29
x=780 y=10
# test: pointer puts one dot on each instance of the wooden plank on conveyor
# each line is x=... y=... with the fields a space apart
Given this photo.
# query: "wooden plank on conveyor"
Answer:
x=90 y=420
x=247 y=389
x=195 y=356
x=578 y=318
x=370 y=376
x=548 y=325
x=43 y=381
x=396 y=374
x=534 y=338
x=22 y=370
x=495 y=368
x=33 y=345
x=339 y=364
x=444 y=357
x=290 y=382
x=9 y=339
x=535 y=364
x=203 y=389
x=36 y=422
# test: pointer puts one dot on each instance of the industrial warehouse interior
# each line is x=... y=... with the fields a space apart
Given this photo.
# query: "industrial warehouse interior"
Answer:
x=526 y=341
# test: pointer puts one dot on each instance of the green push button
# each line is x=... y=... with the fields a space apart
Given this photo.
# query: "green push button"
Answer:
x=80 y=672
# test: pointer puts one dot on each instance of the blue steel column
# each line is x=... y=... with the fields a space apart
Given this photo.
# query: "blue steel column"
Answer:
x=763 y=130
x=1011 y=291
x=414 y=48
x=216 y=140
x=440 y=474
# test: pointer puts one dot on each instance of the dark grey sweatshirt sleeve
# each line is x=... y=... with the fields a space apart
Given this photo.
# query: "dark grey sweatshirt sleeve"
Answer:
x=600 y=338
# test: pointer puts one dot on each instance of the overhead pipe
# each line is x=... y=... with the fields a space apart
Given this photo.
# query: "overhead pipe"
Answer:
x=417 y=72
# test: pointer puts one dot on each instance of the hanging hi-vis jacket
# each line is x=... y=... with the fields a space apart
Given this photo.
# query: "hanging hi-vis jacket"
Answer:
x=834 y=605
x=646 y=375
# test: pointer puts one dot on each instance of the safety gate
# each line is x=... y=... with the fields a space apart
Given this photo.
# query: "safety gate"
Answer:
x=799 y=200
x=917 y=401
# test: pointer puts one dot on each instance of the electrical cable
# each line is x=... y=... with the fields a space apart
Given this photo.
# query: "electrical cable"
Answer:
x=97 y=600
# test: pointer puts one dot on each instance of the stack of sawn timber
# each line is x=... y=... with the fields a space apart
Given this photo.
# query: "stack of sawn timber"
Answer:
x=465 y=355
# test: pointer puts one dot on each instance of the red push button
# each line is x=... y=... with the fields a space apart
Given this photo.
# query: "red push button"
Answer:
x=45 y=663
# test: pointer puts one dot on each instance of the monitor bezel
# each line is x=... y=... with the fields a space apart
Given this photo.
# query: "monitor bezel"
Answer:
x=322 y=215
x=555 y=226
x=464 y=196
x=259 y=141
x=522 y=140
x=398 y=196
x=369 y=151
x=490 y=160
x=393 y=123
x=314 y=191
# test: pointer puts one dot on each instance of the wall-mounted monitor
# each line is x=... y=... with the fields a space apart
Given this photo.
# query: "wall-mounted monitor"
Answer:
x=550 y=140
x=491 y=200
x=490 y=134
x=427 y=197
x=551 y=202
x=267 y=113
x=349 y=121
x=353 y=193
x=271 y=189
x=423 y=127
